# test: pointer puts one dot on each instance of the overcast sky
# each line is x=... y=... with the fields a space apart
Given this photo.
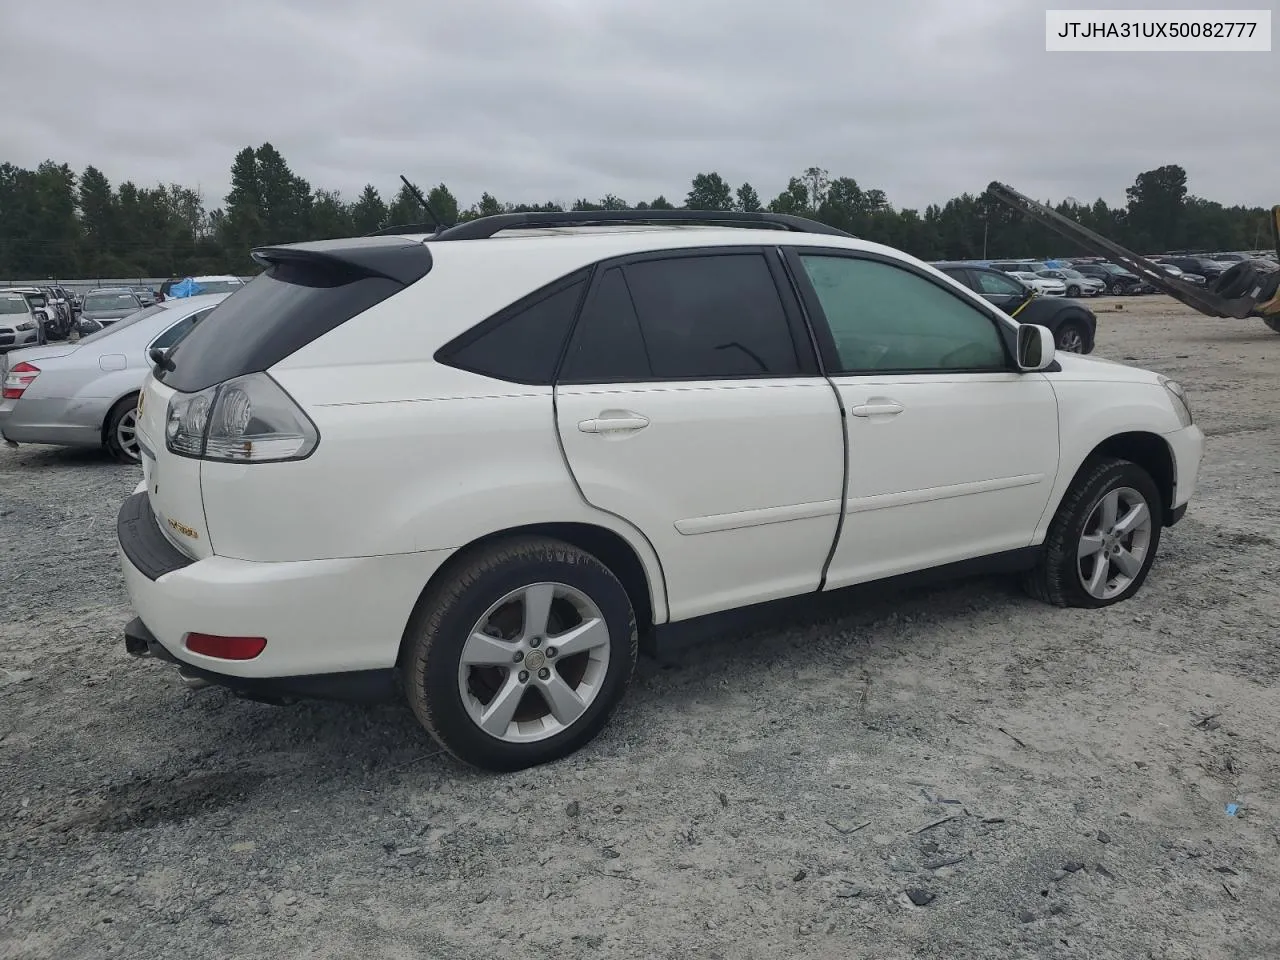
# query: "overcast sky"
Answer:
x=540 y=100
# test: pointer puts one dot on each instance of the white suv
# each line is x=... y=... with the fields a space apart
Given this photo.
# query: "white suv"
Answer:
x=478 y=466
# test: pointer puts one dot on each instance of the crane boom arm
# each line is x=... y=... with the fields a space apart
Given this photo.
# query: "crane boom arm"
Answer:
x=1255 y=293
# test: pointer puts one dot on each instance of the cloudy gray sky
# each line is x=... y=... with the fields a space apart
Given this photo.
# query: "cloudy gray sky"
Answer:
x=536 y=100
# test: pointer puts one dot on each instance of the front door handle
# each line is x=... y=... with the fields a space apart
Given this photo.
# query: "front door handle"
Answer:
x=615 y=423
x=880 y=408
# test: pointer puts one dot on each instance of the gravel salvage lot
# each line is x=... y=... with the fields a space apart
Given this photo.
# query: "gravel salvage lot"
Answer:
x=1041 y=782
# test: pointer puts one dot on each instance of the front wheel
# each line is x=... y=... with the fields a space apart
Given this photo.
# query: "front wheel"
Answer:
x=522 y=655
x=1103 y=539
x=1073 y=291
x=121 y=431
x=1114 y=289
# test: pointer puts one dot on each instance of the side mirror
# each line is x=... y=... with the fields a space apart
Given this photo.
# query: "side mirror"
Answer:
x=1035 y=347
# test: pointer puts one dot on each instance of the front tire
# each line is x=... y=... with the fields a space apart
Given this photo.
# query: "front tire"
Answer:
x=1272 y=323
x=1073 y=291
x=521 y=656
x=1103 y=539
x=121 y=431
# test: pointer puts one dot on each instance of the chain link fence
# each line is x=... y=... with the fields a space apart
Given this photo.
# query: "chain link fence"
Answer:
x=84 y=285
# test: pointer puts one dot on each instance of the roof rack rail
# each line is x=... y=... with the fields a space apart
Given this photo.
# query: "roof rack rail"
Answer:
x=486 y=227
x=396 y=228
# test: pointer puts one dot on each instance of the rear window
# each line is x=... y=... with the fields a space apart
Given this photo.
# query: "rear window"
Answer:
x=273 y=315
x=217 y=286
x=110 y=301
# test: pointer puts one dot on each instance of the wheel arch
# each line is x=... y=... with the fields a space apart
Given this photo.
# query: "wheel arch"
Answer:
x=1148 y=450
x=608 y=546
x=106 y=417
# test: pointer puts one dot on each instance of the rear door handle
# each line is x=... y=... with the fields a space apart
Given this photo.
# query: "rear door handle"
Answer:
x=614 y=424
x=883 y=408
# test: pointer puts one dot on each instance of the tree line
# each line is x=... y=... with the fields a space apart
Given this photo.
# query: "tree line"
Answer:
x=55 y=222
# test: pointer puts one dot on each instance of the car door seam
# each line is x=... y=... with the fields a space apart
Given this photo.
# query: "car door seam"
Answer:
x=844 y=417
x=564 y=458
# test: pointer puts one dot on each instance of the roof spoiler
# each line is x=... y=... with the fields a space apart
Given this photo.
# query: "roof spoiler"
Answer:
x=393 y=258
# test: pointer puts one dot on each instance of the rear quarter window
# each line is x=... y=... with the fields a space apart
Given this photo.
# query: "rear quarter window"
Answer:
x=523 y=342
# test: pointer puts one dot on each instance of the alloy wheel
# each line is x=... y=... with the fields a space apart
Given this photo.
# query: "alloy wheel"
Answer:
x=127 y=435
x=1070 y=339
x=1114 y=544
x=534 y=663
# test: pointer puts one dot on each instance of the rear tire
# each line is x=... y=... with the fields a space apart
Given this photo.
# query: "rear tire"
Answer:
x=1072 y=337
x=1079 y=539
x=121 y=431
x=457 y=687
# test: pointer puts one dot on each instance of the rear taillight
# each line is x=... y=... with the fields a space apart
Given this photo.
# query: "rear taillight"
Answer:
x=246 y=420
x=225 y=648
x=19 y=377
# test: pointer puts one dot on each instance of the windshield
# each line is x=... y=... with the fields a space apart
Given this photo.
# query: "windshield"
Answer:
x=13 y=304
x=1112 y=268
x=121 y=324
x=110 y=301
x=1073 y=274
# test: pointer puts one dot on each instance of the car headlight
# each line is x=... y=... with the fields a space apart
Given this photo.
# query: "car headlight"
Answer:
x=1179 y=397
x=26 y=325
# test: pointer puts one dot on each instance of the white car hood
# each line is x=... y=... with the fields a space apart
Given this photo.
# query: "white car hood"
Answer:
x=1079 y=367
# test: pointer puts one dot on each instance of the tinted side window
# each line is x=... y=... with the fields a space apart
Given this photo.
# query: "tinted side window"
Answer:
x=706 y=317
x=883 y=317
x=525 y=346
x=607 y=345
x=996 y=284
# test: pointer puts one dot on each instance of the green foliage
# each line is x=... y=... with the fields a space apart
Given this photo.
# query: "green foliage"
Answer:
x=709 y=192
x=55 y=223
x=748 y=199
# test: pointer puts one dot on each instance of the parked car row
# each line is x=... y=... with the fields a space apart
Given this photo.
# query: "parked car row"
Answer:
x=1073 y=325
x=33 y=315
x=84 y=393
x=1093 y=276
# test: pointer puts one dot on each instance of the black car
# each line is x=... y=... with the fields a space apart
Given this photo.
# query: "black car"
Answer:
x=1118 y=279
x=1211 y=270
x=1073 y=326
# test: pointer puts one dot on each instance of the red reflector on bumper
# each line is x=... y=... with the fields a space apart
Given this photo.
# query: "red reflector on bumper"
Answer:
x=226 y=648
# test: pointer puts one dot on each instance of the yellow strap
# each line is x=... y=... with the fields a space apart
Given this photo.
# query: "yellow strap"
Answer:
x=1023 y=307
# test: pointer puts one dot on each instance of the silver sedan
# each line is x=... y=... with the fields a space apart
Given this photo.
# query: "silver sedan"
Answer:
x=85 y=394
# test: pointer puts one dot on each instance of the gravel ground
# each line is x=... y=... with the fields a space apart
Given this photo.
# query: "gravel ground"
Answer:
x=955 y=773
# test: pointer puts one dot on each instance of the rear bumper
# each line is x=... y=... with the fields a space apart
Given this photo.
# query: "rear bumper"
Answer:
x=318 y=616
x=364 y=686
x=61 y=422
